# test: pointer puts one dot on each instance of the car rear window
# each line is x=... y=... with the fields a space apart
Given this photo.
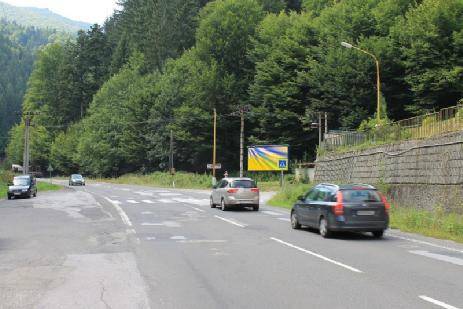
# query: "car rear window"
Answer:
x=243 y=184
x=361 y=196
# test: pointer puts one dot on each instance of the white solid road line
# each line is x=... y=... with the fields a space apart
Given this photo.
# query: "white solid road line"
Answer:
x=424 y=243
x=316 y=255
x=148 y=201
x=437 y=302
x=439 y=257
x=230 y=221
x=133 y=202
x=120 y=211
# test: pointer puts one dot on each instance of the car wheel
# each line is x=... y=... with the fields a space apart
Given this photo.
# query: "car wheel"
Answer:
x=9 y=197
x=212 y=203
x=255 y=207
x=378 y=234
x=35 y=194
x=294 y=221
x=223 y=206
x=323 y=227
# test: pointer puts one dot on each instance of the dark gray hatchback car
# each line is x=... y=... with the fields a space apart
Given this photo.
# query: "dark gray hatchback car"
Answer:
x=331 y=208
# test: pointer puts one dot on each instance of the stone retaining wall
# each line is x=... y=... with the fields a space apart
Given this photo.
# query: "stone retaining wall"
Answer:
x=425 y=172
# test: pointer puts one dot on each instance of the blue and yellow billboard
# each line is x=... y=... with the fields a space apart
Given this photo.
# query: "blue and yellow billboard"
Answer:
x=268 y=158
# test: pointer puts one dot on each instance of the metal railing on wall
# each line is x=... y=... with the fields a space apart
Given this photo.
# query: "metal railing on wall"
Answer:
x=444 y=121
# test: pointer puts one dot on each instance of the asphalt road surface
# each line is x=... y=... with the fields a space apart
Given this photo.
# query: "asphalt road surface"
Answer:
x=120 y=246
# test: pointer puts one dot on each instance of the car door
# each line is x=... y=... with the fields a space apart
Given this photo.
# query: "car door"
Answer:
x=222 y=190
x=304 y=206
x=319 y=205
x=215 y=192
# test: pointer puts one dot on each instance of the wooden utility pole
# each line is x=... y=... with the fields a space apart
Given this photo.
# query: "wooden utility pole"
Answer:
x=171 y=153
x=242 y=142
x=319 y=129
x=26 y=152
x=214 y=148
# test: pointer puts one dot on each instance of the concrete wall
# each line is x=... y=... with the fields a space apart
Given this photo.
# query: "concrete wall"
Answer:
x=423 y=173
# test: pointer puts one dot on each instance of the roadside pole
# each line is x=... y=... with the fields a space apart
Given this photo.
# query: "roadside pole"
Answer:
x=242 y=142
x=319 y=130
x=214 y=148
x=26 y=145
x=171 y=157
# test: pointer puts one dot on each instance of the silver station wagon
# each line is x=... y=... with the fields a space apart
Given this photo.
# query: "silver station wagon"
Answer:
x=235 y=192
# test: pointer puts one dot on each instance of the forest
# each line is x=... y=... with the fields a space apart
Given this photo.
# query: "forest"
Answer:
x=18 y=46
x=109 y=99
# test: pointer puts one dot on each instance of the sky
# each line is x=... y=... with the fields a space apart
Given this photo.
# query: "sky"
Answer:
x=91 y=11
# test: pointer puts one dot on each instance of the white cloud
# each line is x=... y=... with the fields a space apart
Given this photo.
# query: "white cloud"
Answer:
x=91 y=11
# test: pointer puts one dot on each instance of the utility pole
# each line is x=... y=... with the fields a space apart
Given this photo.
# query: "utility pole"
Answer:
x=171 y=157
x=242 y=142
x=26 y=146
x=319 y=129
x=171 y=153
x=326 y=124
x=214 y=148
x=26 y=151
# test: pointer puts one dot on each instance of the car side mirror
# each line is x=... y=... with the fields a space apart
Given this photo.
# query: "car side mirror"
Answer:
x=300 y=198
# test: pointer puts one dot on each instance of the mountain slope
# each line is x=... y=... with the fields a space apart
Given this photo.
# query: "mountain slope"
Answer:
x=42 y=18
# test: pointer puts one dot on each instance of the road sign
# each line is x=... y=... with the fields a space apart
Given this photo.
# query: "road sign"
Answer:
x=50 y=168
x=283 y=164
x=218 y=166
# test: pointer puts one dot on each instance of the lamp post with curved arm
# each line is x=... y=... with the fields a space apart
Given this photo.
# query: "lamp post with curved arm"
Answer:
x=378 y=81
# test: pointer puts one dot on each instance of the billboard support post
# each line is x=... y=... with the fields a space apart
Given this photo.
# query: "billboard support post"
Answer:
x=281 y=179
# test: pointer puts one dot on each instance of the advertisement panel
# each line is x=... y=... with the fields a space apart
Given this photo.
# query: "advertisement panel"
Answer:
x=268 y=158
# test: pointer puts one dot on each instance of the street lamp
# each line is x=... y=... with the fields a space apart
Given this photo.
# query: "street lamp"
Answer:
x=378 y=82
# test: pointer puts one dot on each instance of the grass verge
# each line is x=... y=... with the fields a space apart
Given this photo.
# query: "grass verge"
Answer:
x=437 y=224
x=182 y=180
x=287 y=196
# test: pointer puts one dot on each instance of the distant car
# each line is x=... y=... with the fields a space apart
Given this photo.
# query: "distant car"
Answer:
x=353 y=207
x=22 y=186
x=76 y=180
x=235 y=192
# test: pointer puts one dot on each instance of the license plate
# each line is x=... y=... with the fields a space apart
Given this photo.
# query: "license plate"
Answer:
x=365 y=212
x=17 y=193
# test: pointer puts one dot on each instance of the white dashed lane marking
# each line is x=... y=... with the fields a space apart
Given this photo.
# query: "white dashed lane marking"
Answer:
x=439 y=257
x=148 y=202
x=170 y=194
x=437 y=302
x=316 y=255
x=285 y=219
x=133 y=202
x=231 y=221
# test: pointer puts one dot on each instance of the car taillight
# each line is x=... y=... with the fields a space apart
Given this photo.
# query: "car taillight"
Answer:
x=387 y=206
x=255 y=190
x=338 y=208
x=232 y=190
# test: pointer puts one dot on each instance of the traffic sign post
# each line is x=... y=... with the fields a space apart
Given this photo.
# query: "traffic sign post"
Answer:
x=50 y=169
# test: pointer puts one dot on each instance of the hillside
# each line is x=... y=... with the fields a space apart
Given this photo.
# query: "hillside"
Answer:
x=42 y=18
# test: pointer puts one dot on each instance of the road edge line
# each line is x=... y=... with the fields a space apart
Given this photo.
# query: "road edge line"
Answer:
x=437 y=302
x=120 y=211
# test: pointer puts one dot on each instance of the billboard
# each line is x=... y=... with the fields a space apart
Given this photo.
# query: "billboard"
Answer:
x=268 y=158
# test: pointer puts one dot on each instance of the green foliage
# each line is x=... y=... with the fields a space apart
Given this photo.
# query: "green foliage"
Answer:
x=435 y=223
x=110 y=99
x=18 y=46
x=430 y=41
x=287 y=196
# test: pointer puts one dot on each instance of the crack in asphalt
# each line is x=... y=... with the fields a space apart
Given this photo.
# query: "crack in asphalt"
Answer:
x=103 y=290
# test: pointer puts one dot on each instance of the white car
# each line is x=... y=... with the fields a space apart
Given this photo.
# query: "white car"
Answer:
x=235 y=192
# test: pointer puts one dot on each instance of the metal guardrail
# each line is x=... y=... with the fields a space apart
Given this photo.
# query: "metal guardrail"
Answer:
x=444 y=121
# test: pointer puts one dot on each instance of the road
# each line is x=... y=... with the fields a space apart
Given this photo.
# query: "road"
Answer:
x=121 y=246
